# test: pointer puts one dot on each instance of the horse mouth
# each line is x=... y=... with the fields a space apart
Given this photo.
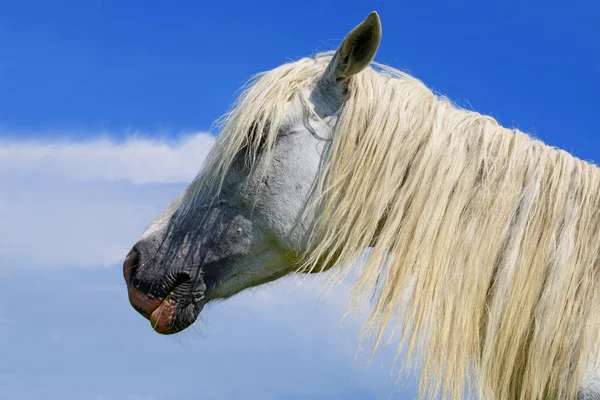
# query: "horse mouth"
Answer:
x=171 y=313
x=168 y=315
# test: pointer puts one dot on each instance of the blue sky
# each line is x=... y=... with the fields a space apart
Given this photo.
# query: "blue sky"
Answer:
x=105 y=109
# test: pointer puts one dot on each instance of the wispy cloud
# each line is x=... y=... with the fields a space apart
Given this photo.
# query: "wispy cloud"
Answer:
x=137 y=160
x=70 y=204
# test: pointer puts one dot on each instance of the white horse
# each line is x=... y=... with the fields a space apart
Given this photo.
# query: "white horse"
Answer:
x=485 y=243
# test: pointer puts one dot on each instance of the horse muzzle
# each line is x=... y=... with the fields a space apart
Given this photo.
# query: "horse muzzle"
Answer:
x=171 y=301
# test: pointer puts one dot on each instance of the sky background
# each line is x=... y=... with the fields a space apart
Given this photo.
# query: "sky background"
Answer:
x=106 y=110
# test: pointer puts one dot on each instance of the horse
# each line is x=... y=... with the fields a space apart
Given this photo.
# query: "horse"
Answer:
x=483 y=242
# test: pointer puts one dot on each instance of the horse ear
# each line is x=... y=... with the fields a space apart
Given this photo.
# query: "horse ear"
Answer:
x=357 y=49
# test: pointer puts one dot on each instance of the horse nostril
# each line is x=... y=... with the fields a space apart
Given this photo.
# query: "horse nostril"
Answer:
x=182 y=277
x=188 y=279
x=130 y=264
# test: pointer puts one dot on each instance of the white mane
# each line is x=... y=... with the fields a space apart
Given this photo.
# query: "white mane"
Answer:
x=490 y=240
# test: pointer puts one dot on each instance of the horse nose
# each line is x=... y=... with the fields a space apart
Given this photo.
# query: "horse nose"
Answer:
x=130 y=264
x=139 y=300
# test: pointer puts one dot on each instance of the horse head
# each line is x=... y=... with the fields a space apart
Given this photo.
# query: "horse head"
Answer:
x=247 y=218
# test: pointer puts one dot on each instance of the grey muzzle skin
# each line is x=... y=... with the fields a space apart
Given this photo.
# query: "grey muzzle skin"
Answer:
x=169 y=273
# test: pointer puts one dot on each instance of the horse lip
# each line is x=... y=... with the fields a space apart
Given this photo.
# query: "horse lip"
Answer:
x=171 y=317
x=162 y=317
x=143 y=303
x=170 y=314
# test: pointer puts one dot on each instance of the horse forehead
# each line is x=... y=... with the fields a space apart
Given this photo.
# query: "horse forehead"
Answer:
x=294 y=114
x=324 y=100
x=316 y=116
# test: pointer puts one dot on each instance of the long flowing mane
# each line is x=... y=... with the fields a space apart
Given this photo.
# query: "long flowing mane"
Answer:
x=484 y=242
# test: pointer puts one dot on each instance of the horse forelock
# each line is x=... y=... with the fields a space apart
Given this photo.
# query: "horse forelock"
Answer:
x=484 y=241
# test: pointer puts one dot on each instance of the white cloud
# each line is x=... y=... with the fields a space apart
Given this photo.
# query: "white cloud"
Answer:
x=69 y=204
x=136 y=160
